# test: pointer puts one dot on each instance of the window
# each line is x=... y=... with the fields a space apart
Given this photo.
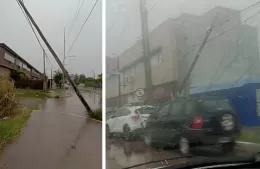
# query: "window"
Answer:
x=165 y=110
x=19 y=63
x=213 y=105
x=9 y=57
x=146 y=110
x=118 y=113
x=177 y=108
x=191 y=107
x=125 y=112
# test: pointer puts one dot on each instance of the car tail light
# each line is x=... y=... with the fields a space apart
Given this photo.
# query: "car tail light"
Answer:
x=197 y=122
x=135 y=117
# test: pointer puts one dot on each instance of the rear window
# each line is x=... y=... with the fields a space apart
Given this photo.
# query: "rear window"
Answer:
x=146 y=110
x=213 y=105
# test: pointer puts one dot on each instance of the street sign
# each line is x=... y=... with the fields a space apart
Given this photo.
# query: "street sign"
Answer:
x=139 y=92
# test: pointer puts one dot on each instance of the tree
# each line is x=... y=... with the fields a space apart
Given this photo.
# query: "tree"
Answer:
x=58 y=78
x=17 y=75
x=82 y=78
x=76 y=79
x=99 y=79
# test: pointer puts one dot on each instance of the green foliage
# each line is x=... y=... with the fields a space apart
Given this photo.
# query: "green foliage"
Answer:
x=8 y=102
x=17 y=75
x=89 y=82
x=99 y=79
x=10 y=128
x=58 y=78
x=96 y=115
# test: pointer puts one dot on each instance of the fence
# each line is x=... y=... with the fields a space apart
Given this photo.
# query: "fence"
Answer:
x=29 y=84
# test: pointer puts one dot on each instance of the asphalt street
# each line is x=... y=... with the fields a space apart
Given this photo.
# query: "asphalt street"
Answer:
x=121 y=153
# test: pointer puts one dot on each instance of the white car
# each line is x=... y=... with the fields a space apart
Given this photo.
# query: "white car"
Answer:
x=128 y=120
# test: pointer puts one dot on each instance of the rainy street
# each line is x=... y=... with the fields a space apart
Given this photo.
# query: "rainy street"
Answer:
x=121 y=153
x=58 y=136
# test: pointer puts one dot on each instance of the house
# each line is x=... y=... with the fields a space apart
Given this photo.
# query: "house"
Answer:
x=10 y=60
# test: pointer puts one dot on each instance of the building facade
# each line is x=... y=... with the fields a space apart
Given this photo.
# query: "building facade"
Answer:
x=9 y=60
x=231 y=46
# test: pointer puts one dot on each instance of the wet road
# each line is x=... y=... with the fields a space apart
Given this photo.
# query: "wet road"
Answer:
x=121 y=154
x=58 y=136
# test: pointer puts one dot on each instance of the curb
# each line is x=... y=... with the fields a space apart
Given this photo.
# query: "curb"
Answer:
x=245 y=146
x=95 y=120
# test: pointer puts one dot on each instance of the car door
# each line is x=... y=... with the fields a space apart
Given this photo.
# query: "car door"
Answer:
x=159 y=132
x=123 y=119
x=113 y=122
x=173 y=124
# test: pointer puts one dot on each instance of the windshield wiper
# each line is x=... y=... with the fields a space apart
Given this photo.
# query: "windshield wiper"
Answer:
x=157 y=161
x=202 y=161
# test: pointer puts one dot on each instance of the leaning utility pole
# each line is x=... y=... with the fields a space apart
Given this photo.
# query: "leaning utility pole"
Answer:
x=44 y=73
x=64 y=55
x=196 y=58
x=55 y=57
x=146 y=50
x=119 y=84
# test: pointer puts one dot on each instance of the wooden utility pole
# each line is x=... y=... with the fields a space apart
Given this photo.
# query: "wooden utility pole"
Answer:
x=51 y=80
x=55 y=57
x=119 y=84
x=146 y=50
x=64 y=56
x=184 y=82
x=44 y=72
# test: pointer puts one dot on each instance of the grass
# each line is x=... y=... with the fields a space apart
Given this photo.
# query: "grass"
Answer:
x=30 y=93
x=249 y=137
x=10 y=128
x=97 y=114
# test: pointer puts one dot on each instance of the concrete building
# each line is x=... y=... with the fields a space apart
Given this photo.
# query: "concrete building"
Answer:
x=231 y=47
x=10 y=60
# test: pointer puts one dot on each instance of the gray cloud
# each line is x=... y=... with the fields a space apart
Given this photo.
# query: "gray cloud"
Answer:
x=52 y=16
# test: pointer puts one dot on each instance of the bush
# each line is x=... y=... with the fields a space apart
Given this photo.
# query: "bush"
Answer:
x=8 y=102
x=96 y=114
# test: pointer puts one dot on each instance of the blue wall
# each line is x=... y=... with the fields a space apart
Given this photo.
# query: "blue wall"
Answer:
x=242 y=98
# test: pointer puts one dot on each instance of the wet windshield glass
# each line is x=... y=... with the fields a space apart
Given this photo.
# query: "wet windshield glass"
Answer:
x=146 y=110
x=171 y=54
x=212 y=105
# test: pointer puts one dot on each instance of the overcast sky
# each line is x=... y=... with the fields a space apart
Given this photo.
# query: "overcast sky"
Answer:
x=123 y=17
x=52 y=16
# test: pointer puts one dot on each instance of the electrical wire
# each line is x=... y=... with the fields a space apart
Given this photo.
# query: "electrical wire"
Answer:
x=82 y=26
x=75 y=17
x=226 y=31
x=26 y=17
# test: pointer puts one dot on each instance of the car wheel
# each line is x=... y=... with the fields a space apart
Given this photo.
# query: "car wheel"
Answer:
x=127 y=133
x=184 y=146
x=148 y=139
x=228 y=147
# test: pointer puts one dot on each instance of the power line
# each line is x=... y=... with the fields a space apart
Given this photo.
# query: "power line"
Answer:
x=226 y=31
x=75 y=17
x=83 y=26
x=26 y=17
x=83 y=101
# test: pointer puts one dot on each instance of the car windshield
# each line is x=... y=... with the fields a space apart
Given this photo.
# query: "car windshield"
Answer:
x=171 y=54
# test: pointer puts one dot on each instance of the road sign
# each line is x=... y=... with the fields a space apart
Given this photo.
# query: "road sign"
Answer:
x=139 y=92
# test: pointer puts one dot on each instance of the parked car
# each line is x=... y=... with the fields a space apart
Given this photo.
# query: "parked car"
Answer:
x=129 y=120
x=193 y=122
